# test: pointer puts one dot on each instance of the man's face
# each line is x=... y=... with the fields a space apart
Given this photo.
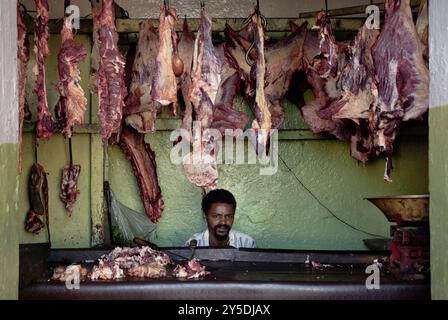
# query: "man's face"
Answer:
x=220 y=219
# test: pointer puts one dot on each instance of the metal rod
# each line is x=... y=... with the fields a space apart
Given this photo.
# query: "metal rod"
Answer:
x=35 y=146
x=326 y=5
x=70 y=151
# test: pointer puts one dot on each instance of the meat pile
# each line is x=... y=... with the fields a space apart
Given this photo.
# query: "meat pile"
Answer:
x=45 y=124
x=190 y=270
x=72 y=102
x=144 y=166
x=111 y=72
x=365 y=89
x=38 y=195
x=69 y=186
x=62 y=273
x=23 y=57
x=142 y=262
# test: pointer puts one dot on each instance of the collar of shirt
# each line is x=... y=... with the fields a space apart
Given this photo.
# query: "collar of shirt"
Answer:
x=206 y=237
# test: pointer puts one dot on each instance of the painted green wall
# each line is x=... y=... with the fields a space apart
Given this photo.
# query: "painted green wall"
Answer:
x=275 y=210
x=438 y=177
x=53 y=155
x=9 y=240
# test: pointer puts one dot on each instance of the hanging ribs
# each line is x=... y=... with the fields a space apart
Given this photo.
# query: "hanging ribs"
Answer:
x=111 y=73
x=69 y=186
x=144 y=166
x=72 y=102
x=45 y=124
x=402 y=75
x=141 y=110
x=168 y=63
x=23 y=56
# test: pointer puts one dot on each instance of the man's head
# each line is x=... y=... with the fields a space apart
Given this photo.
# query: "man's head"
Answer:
x=218 y=208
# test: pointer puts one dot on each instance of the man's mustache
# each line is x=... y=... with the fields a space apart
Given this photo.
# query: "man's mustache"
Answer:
x=221 y=226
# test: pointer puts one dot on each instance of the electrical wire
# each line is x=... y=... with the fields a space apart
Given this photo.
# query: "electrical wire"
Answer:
x=325 y=207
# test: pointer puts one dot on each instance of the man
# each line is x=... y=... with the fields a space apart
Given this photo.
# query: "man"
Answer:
x=218 y=209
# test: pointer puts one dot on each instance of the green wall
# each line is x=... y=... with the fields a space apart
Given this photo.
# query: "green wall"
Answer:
x=9 y=249
x=438 y=175
x=276 y=210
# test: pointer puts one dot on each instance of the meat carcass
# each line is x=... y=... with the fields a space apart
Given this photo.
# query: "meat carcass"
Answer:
x=359 y=93
x=111 y=73
x=200 y=165
x=38 y=195
x=168 y=63
x=282 y=58
x=141 y=110
x=69 y=186
x=186 y=50
x=263 y=123
x=45 y=124
x=23 y=56
x=72 y=102
x=144 y=166
x=95 y=55
x=402 y=75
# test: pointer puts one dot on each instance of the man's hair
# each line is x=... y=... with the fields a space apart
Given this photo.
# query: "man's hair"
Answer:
x=217 y=196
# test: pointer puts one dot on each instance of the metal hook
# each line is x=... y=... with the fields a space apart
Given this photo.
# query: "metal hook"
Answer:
x=166 y=4
x=202 y=3
x=248 y=60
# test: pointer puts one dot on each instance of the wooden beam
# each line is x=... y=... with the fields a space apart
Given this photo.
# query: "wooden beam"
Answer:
x=351 y=10
x=83 y=129
x=126 y=26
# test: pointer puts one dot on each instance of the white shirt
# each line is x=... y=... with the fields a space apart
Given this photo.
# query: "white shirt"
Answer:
x=236 y=239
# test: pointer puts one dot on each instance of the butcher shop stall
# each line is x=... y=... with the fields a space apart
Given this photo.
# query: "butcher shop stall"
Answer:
x=223 y=149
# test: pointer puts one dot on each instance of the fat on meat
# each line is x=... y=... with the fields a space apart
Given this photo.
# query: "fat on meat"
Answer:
x=72 y=102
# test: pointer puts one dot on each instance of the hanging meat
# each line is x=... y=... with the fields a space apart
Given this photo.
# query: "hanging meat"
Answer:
x=282 y=58
x=111 y=73
x=38 y=196
x=23 y=56
x=69 y=186
x=72 y=102
x=186 y=48
x=45 y=124
x=168 y=63
x=95 y=55
x=144 y=166
x=263 y=121
x=200 y=166
x=402 y=75
x=141 y=110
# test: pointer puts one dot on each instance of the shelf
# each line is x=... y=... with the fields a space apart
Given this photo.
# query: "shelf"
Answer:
x=164 y=125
